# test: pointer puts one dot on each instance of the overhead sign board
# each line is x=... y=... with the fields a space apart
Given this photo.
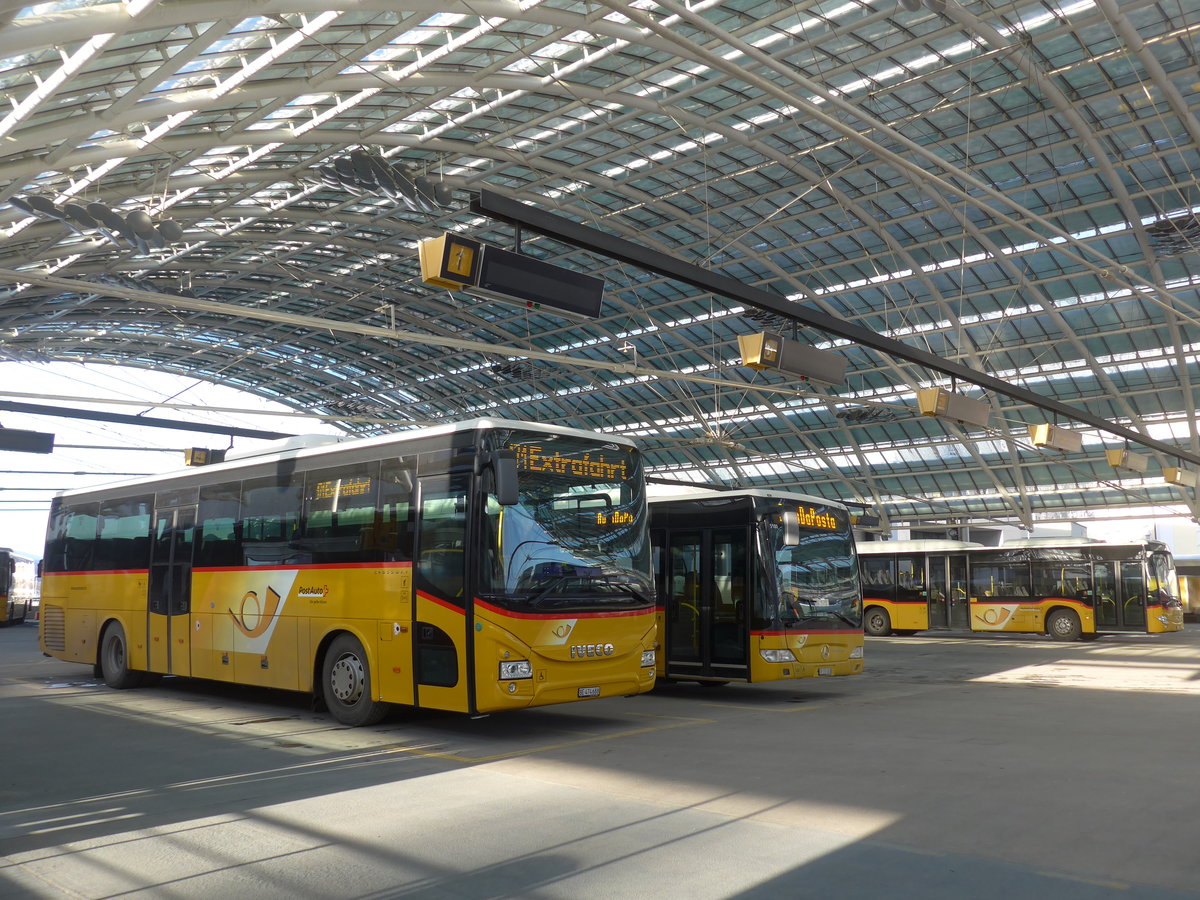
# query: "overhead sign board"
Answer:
x=462 y=264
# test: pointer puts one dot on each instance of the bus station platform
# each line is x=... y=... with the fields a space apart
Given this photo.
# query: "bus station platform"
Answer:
x=956 y=766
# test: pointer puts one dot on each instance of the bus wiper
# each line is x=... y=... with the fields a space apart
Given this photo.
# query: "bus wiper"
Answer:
x=849 y=621
x=541 y=595
x=636 y=595
x=558 y=582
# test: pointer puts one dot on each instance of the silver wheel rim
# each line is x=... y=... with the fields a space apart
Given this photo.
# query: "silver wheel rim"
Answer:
x=346 y=679
x=1062 y=625
x=116 y=654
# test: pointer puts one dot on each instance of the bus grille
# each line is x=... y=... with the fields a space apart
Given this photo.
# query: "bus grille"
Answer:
x=54 y=628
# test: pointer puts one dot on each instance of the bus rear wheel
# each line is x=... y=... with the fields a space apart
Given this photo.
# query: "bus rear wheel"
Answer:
x=876 y=622
x=346 y=683
x=1063 y=625
x=114 y=660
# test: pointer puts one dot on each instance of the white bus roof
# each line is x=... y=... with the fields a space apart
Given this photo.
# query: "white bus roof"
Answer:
x=913 y=546
x=1055 y=542
x=277 y=452
x=665 y=493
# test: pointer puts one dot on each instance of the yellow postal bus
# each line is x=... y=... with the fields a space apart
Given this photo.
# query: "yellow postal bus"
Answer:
x=18 y=586
x=1067 y=588
x=476 y=567
x=755 y=585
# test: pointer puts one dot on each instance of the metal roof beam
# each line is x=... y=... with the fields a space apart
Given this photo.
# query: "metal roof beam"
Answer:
x=506 y=209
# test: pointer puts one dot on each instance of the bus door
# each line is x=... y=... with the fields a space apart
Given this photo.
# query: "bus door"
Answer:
x=960 y=613
x=706 y=622
x=685 y=631
x=1119 y=596
x=1133 y=596
x=441 y=628
x=946 y=588
x=169 y=601
x=937 y=591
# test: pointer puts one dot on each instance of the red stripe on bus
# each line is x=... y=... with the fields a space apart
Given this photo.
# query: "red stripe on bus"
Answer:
x=445 y=604
x=805 y=631
x=642 y=611
x=305 y=566
x=98 y=572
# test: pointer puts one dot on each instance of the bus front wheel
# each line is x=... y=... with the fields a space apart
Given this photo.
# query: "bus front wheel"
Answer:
x=114 y=659
x=877 y=622
x=346 y=683
x=1063 y=625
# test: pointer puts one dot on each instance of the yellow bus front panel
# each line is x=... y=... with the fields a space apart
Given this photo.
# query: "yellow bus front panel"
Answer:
x=571 y=657
x=440 y=648
x=1160 y=619
x=816 y=654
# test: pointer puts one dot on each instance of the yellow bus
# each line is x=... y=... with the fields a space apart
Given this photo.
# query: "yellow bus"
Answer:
x=1067 y=588
x=18 y=586
x=476 y=567
x=754 y=586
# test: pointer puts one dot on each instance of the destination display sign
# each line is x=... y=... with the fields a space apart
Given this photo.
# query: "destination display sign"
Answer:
x=586 y=465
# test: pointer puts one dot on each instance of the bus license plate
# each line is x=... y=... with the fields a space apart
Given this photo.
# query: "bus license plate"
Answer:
x=589 y=692
x=826 y=670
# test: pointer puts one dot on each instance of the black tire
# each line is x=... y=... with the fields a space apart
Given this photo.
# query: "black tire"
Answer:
x=1063 y=625
x=877 y=622
x=114 y=660
x=346 y=683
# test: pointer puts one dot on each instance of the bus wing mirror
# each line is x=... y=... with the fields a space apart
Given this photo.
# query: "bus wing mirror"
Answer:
x=791 y=528
x=504 y=477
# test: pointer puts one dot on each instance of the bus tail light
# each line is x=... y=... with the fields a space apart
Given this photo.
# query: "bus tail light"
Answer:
x=778 y=656
x=648 y=658
x=511 y=670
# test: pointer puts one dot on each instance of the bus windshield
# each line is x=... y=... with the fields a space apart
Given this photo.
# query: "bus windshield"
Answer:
x=817 y=580
x=1162 y=579
x=576 y=540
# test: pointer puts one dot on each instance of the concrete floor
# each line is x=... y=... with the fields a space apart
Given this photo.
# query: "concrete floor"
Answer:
x=981 y=767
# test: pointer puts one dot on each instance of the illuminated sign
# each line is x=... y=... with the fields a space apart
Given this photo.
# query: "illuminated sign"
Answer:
x=616 y=517
x=342 y=487
x=810 y=518
x=531 y=458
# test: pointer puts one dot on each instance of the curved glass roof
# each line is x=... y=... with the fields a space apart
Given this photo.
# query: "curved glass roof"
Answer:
x=1007 y=186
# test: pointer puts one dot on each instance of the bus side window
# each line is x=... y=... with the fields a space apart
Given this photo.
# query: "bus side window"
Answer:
x=271 y=521
x=339 y=507
x=390 y=537
x=443 y=529
x=71 y=540
x=219 y=529
x=124 y=538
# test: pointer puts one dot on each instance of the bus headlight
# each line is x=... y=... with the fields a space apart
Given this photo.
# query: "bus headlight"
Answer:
x=778 y=656
x=856 y=653
x=1164 y=620
x=511 y=670
x=648 y=658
